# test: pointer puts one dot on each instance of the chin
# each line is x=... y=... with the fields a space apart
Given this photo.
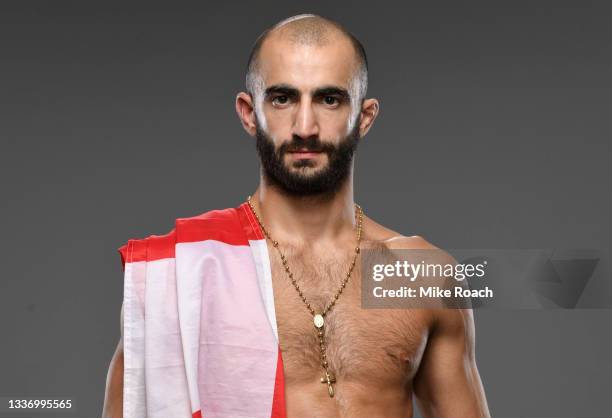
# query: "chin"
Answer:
x=306 y=164
x=306 y=170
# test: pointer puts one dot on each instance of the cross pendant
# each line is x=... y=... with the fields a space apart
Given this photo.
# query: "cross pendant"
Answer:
x=329 y=379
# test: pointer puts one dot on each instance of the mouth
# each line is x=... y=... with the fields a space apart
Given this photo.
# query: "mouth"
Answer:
x=304 y=153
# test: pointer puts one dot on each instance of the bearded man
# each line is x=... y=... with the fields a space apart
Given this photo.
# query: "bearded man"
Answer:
x=255 y=311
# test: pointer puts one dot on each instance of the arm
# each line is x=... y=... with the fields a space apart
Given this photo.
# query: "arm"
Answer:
x=448 y=383
x=113 y=398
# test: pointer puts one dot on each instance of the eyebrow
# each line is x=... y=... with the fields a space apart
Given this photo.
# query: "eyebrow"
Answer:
x=332 y=91
x=288 y=90
x=284 y=89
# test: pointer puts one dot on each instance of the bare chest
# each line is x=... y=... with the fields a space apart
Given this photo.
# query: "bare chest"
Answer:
x=363 y=345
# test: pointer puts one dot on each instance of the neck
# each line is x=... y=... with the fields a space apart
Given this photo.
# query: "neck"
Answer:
x=299 y=219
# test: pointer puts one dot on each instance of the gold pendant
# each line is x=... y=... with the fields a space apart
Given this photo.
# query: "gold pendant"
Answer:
x=329 y=379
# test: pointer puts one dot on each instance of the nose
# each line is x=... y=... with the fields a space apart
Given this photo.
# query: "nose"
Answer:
x=305 y=125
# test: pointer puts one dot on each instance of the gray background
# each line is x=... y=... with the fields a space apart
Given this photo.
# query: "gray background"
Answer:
x=494 y=133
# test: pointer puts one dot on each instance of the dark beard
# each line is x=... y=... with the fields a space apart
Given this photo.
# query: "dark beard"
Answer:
x=326 y=181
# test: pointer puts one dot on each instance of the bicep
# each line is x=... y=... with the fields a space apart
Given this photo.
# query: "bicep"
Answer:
x=448 y=383
x=113 y=398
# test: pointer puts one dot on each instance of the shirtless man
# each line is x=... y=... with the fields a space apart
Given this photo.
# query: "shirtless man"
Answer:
x=305 y=104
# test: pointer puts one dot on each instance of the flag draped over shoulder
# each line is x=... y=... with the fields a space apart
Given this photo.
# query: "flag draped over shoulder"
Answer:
x=199 y=327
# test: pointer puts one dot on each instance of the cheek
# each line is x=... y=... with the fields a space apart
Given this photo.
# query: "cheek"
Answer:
x=278 y=125
x=352 y=119
x=334 y=124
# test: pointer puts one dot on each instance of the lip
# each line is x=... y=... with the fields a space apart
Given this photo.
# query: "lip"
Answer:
x=305 y=154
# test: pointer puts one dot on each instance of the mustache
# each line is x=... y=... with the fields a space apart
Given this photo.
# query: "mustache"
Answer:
x=311 y=145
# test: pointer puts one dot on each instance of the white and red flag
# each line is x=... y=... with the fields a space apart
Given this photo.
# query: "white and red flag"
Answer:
x=199 y=332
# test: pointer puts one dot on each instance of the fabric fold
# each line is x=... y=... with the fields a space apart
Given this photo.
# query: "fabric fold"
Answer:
x=200 y=336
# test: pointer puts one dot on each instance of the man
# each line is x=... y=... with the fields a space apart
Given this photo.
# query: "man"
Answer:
x=305 y=105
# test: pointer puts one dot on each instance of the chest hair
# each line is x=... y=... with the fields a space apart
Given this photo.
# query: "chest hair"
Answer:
x=362 y=344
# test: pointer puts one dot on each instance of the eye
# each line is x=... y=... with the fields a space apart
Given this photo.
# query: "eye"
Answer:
x=280 y=100
x=331 y=100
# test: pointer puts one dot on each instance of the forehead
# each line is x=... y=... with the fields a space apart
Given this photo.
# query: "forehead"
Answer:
x=307 y=65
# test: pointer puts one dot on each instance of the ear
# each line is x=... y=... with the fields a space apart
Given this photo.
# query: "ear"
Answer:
x=369 y=111
x=245 y=109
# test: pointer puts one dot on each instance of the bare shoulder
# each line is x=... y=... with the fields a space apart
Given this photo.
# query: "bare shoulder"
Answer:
x=377 y=234
x=381 y=237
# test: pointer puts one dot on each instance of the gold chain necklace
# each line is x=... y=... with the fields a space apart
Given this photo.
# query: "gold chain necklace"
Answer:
x=318 y=318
